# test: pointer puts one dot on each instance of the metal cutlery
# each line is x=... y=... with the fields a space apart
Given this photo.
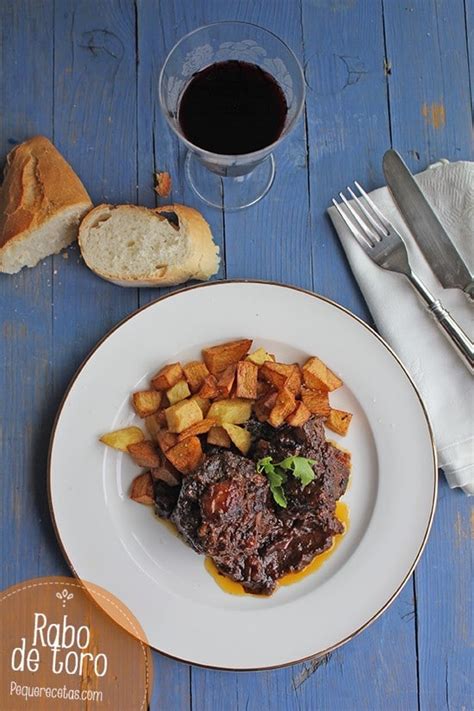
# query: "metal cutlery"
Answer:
x=430 y=235
x=384 y=245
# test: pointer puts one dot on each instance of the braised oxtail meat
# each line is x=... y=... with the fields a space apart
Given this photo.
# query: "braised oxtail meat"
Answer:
x=225 y=491
x=225 y=508
x=166 y=498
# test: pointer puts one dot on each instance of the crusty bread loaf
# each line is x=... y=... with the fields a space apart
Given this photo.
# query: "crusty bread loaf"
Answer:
x=138 y=246
x=41 y=204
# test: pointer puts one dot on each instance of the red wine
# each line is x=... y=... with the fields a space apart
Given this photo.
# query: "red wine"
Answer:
x=232 y=108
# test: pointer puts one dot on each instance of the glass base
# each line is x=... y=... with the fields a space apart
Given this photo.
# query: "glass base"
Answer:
x=230 y=193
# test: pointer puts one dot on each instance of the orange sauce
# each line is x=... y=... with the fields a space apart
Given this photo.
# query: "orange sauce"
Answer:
x=233 y=588
x=226 y=584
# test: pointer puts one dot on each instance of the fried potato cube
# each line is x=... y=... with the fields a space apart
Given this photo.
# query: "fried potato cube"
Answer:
x=120 y=439
x=273 y=375
x=141 y=489
x=166 y=440
x=299 y=416
x=260 y=356
x=239 y=436
x=217 y=435
x=294 y=382
x=225 y=381
x=217 y=358
x=197 y=429
x=146 y=402
x=153 y=425
x=263 y=388
x=276 y=373
x=203 y=403
x=264 y=405
x=317 y=401
x=247 y=374
x=179 y=391
x=168 y=376
x=185 y=455
x=285 y=404
x=209 y=389
x=182 y=415
x=195 y=371
x=338 y=421
x=317 y=376
x=166 y=472
x=145 y=454
x=233 y=412
x=283 y=375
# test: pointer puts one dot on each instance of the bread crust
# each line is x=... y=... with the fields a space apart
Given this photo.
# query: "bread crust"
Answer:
x=202 y=260
x=38 y=185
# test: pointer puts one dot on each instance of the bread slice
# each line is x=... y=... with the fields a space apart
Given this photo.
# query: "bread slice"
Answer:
x=138 y=246
x=41 y=204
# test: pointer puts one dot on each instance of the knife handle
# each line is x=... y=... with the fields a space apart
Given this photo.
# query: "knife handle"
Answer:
x=452 y=330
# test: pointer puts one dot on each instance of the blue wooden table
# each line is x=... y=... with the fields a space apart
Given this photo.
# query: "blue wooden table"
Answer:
x=378 y=73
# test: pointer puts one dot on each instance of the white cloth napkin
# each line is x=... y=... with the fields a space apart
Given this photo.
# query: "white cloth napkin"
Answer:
x=445 y=384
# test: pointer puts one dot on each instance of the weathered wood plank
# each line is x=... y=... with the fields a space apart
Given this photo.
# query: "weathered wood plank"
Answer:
x=95 y=128
x=443 y=583
x=26 y=102
x=272 y=239
x=469 y=29
x=431 y=119
x=348 y=132
x=429 y=81
x=159 y=26
x=347 y=123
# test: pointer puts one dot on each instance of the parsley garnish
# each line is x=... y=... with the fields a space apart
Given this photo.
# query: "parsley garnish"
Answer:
x=276 y=479
x=300 y=467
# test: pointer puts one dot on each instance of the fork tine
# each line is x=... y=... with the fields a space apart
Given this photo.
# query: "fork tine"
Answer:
x=374 y=207
x=378 y=229
x=360 y=237
x=371 y=236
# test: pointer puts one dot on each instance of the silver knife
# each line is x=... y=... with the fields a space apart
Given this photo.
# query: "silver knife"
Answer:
x=430 y=235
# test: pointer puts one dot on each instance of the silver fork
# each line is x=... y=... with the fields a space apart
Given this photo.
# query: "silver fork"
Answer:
x=384 y=245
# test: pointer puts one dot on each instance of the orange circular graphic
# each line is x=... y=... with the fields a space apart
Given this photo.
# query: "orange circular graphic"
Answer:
x=69 y=644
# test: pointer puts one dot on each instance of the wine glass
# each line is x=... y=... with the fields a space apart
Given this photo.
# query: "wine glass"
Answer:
x=230 y=181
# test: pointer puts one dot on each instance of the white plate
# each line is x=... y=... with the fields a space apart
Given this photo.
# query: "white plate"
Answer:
x=113 y=542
